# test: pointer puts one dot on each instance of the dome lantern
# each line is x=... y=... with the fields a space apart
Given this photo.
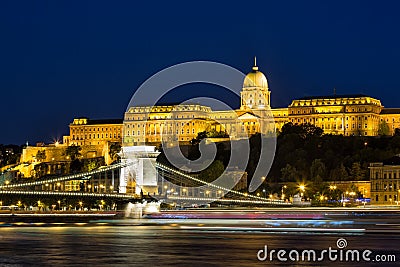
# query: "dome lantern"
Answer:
x=255 y=79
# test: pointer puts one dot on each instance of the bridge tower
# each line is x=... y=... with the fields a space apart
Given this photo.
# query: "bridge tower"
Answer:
x=140 y=175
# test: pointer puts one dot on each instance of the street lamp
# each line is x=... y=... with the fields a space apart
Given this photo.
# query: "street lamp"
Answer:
x=59 y=204
x=302 y=188
x=80 y=204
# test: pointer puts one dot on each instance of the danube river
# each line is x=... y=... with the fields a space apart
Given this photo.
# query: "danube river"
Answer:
x=204 y=242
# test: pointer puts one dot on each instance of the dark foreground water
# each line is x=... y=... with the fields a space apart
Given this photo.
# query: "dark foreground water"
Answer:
x=172 y=245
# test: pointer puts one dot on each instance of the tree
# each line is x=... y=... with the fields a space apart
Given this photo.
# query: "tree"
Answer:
x=317 y=171
x=113 y=151
x=73 y=152
x=212 y=172
x=76 y=166
x=383 y=128
x=90 y=165
x=339 y=173
x=289 y=173
x=41 y=155
x=305 y=130
x=208 y=134
x=214 y=134
x=200 y=136
x=356 y=172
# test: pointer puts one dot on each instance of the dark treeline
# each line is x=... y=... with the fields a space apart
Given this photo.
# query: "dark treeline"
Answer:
x=303 y=153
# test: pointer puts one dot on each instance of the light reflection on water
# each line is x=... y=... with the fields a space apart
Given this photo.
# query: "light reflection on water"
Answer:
x=161 y=246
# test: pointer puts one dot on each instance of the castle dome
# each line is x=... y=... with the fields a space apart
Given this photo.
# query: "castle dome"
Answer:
x=255 y=78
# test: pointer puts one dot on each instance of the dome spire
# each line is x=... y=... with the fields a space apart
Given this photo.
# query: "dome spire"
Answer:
x=255 y=68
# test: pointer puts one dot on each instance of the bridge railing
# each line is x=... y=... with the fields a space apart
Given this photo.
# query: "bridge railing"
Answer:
x=77 y=176
x=244 y=196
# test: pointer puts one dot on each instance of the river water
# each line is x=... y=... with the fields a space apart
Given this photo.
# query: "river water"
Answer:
x=173 y=245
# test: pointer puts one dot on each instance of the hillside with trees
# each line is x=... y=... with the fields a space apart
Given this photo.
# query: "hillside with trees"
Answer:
x=305 y=154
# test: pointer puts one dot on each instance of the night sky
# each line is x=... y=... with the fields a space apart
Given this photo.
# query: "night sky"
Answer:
x=66 y=59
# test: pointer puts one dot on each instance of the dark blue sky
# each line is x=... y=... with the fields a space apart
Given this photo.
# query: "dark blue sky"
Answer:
x=63 y=59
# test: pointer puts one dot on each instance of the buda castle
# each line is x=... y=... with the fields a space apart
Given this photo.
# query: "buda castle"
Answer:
x=348 y=115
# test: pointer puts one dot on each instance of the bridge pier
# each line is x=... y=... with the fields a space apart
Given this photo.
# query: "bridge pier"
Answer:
x=140 y=175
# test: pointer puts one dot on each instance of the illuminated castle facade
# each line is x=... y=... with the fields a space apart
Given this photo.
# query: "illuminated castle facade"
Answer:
x=182 y=123
x=336 y=114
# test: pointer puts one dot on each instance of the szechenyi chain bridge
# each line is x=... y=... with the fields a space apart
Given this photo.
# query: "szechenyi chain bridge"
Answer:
x=194 y=191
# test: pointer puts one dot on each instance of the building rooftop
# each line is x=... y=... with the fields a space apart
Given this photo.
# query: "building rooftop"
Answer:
x=87 y=121
x=332 y=97
x=105 y=121
x=169 y=104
